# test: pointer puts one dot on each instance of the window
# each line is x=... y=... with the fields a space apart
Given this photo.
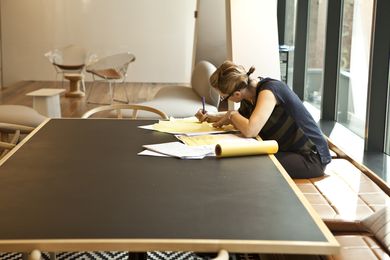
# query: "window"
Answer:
x=289 y=36
x=354 y=64
x=315 y=52
x=388 y=117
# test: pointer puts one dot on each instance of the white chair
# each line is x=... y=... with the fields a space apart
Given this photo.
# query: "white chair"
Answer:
x=182 y=101
x=111 y=69
x=69 y=59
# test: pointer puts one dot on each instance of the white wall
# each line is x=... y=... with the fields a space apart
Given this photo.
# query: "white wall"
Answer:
x=211 y=32
x=253 y=31
x=254 y=36
x=159 y=33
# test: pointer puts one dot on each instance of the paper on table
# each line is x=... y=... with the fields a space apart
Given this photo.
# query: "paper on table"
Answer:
x=242 y=149
x=180 y=150
x=189 y=126
x=191 y=119
x=151 y=153
x=148 y=127
x=214 y=139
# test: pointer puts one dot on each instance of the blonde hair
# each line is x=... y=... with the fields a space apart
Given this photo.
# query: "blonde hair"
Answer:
x=230 y=77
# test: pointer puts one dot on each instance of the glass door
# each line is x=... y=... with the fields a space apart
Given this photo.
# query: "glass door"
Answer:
x=289 y=36
x=387 y=151
x=354 y=65
x=315 y=52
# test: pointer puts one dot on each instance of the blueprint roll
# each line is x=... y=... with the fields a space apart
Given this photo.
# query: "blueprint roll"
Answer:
x=234 y=149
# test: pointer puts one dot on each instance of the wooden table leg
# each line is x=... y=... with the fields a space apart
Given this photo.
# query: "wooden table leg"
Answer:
x=35 y=255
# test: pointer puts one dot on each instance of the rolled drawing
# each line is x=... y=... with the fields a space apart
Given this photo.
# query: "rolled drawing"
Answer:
x=234 y=149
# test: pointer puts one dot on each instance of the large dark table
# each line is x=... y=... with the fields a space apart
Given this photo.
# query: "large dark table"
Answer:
x=78 y=184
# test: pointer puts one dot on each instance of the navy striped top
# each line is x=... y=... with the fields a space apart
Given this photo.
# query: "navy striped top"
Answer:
x=290 y=124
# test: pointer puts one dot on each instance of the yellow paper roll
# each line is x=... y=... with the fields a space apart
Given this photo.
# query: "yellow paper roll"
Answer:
x=234 y=149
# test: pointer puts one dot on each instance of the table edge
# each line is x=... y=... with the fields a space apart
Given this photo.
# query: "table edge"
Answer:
x=317 y=219
x=196 y=245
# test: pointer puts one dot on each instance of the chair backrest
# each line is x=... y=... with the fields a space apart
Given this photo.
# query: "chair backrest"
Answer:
x=119 y=113
x=71 y=55
x=53 y=55
x=119 y=62
x=200 y=82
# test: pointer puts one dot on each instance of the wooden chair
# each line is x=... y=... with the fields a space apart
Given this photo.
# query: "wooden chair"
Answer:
x=119 y=114
x=16 y=121
x=10 y=135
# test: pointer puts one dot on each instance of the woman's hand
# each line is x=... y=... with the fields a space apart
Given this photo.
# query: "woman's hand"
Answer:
x=201 y=116
x=204 y=117
x=225 y=119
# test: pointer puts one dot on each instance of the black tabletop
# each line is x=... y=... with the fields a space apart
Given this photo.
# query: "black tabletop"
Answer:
x=83 y=179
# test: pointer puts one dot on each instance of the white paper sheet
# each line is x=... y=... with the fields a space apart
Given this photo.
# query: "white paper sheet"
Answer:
x=180 y=150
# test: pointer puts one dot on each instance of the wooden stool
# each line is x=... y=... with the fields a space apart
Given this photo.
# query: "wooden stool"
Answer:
x=74 y=84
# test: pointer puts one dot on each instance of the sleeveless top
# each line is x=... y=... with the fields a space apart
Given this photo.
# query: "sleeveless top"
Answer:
x=290 y=124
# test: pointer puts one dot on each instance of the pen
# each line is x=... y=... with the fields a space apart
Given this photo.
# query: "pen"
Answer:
x=203 y=104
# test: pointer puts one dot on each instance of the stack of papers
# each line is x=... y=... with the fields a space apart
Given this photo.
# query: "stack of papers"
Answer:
x=227 y=145
x=179 y=150
x=199 y=140
x=213 y=139
x=187 y=126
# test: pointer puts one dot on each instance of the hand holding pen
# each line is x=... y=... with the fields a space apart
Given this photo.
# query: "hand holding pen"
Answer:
x=201 y=115
x=203 y=105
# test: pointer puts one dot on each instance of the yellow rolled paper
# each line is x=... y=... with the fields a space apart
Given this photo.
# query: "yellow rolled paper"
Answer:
x=234 y=149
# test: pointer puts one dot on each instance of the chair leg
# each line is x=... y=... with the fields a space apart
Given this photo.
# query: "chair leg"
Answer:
x=91 y=88
x=127 y=97
x=111 y=92
x=127 y=94
x=90 y=91
x=62 y=82
x=52 y=255
x=83 y=85
x=56 y=82
x=34 y=255
x=137 y=256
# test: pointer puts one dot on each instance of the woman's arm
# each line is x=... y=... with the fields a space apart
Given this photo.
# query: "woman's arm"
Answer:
x=210 y=118
x=251 y=127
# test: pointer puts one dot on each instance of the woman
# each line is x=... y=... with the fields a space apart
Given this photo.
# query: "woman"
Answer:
x=270 y=109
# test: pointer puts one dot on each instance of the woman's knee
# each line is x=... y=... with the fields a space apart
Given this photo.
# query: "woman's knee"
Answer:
x=299 y=167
